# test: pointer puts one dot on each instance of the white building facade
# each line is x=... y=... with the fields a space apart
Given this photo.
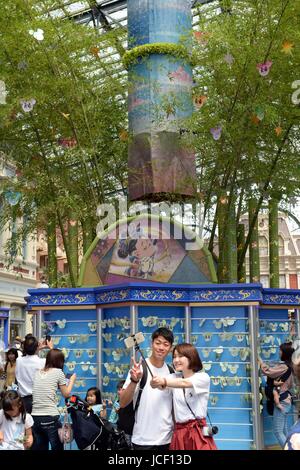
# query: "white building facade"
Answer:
x=289 y=252
x=17 y=278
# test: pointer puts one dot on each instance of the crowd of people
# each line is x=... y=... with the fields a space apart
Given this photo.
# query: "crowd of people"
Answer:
x=169 y=406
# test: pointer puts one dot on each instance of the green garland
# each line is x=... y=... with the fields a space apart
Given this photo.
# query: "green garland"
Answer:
x=175 y=50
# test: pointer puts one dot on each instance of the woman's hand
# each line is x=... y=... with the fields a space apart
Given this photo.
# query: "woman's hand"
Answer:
x=157 y=382
x=73 y=378
x=1 y=437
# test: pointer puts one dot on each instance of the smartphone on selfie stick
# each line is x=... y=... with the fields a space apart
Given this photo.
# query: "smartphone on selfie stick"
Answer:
x=133 y=341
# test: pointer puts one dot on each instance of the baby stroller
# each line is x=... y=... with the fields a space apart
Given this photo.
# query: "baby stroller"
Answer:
x=90 y=431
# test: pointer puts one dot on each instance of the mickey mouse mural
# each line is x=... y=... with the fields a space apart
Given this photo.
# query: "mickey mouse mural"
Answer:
x=148 y=249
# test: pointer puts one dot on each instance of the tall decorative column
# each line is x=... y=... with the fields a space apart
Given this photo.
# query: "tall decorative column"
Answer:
x=161 y=165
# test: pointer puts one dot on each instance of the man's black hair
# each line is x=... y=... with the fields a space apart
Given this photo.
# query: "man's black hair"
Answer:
x=165 y=333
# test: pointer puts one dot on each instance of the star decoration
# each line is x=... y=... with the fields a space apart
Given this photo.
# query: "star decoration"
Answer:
x=229 y=59
x=123 y=135
x=255 y=119
x=287 y=47
x=95 y=51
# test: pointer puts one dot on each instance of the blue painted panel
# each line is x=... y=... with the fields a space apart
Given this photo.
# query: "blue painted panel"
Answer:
x=115 y=357
x=221 y=337
x=75 y=332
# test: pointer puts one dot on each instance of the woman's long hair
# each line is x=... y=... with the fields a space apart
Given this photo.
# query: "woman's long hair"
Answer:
x=10 y=351
x=286 y=353
x=55 y=359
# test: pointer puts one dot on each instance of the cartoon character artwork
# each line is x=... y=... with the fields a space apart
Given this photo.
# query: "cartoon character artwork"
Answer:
x=141 y=254
x=142 y=257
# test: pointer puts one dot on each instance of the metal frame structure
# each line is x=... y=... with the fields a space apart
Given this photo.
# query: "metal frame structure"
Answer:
x=100 y=13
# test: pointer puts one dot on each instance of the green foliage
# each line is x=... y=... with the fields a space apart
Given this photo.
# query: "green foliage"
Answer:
x=174 y=50
x=256 y=154
x=67 y=149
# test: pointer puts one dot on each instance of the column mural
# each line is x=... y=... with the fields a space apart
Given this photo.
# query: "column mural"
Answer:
x=159 y=98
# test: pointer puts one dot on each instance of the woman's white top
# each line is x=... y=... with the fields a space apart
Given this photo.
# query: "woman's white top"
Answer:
x=196 y=396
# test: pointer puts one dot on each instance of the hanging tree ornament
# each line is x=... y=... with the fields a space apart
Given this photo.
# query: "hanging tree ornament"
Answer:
x=27 y=105
x=264 y=68
x=229 y=59
x=38 y=34
x=216 y=132
x=199 y=101
x=259 y=112
x=12 y=197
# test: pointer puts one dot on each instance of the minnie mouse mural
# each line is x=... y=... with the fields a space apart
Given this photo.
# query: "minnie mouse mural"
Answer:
x=136 y=255
x=140 y=252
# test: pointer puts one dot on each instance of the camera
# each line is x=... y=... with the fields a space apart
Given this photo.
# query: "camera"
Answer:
x=209 y=431
x=47 y=338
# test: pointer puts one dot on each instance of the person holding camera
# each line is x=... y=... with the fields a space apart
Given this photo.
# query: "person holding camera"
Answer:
x=190 y=391
x=27 y=366
x=45 y=412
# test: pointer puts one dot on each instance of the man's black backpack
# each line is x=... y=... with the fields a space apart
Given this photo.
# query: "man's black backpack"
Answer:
x=269 y=387
x=126 y=416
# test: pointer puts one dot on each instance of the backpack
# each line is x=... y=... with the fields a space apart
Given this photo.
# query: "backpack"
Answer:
x=126 y=415
x=269 y=387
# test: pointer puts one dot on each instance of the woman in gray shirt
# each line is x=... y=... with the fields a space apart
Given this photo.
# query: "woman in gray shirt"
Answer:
x=44 y=410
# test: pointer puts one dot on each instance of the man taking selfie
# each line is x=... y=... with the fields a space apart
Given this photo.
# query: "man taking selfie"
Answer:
x=153 y=425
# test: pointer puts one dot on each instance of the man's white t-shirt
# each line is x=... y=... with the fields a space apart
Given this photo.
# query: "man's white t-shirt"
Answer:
x=26 y=368
x=14 y=429
x=153 y=420
x=197 y=397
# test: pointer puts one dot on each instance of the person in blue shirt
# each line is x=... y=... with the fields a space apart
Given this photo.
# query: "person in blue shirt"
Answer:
x=94 y=399
x=114 y=414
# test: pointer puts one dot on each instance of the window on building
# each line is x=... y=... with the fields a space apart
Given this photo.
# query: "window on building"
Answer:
x=282 y=281
x=280 y=246
x=17 y=322
x=43 y=261
x=66 y=268
x=263 y=246
x=264 y=279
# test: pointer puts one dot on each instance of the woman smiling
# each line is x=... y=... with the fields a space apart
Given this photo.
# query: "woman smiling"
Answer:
x=190 y=390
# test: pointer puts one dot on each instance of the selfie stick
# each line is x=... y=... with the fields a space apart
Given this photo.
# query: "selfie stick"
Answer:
x=137 y=348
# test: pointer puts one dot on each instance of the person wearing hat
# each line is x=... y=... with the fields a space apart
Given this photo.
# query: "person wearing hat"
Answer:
x=18 y=345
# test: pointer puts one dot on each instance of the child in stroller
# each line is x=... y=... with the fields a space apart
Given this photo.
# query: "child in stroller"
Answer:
x=91 y=432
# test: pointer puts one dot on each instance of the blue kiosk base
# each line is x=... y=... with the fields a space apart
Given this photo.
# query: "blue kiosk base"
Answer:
x=229 y=325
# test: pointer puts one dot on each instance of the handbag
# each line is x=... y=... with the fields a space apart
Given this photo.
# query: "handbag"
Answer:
x=65 y=433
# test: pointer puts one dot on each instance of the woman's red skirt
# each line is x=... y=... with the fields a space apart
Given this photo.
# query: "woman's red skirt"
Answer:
x=189 y=436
